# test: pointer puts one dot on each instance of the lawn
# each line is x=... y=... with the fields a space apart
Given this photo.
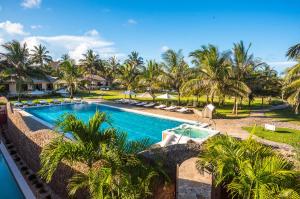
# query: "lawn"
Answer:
x=283 y=135
x=284 y=115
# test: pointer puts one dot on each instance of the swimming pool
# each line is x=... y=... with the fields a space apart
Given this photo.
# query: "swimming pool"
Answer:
x=8 y=187
x=136 y=125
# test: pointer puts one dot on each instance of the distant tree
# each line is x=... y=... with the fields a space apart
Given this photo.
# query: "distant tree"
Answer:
x=40 y=55
x=175 y=71
x=17 y=55
x=89 y=63
x=65 y=57
x=293 y=52
x=109 y=69
x=149 y=78
x=70 y=74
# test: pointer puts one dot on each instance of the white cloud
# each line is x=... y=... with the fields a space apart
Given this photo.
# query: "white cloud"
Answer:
x=75 y=46
x=131 y=21
x=92 y=32
x=12 y=28
x=31 y=3
x=280 y=66
x=164 y=48
x=34 y=27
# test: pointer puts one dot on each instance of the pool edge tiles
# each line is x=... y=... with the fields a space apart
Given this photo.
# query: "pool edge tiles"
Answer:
x=16 y=174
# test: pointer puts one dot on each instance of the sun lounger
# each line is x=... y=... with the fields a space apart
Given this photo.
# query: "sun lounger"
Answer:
x=170 y=108
x=66 y=101
x=160 y=106
x=30 y=103
x=184 y=110
x=56 y=101
x=18 y=104
x=77 y=100
x=119 y=100
x=133 y=102
x=43 y=102
x=149 y=105
x=141 y=104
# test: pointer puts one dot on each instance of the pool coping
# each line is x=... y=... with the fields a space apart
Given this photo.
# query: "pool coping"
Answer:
x=18 y=177
x=47 y=124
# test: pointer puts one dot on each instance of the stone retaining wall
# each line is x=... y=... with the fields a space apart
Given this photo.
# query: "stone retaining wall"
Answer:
x=29 y=145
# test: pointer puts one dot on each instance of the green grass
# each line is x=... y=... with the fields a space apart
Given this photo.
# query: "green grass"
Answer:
x=283 y=135
x=284 y=115
x=222 y=111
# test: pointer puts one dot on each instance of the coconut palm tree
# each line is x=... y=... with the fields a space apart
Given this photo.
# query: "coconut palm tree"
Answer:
x=70 y=75
x=128 y=72
x=109 y=69
x=65 y=57
x=113 y=164
x=248 y=169
x=175 y=70
x=294 y=51
x=150 y=77
x=292 y=86
x=40 y=55
x=17 y=55
x=215 y=69
x=89 y=62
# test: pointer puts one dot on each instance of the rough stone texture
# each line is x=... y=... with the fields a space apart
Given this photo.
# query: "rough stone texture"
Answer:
x=191 y=183
x=29 y=145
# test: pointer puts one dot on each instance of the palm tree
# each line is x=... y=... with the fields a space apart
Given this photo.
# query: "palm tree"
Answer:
x=150 y=77
x=215 y=69
x=293 y=52
x=65 y=57
x=113 y=164
x=40 y=55
x=109 y=69
x=128 y=72
x=89 y=62
x=70 y=75
x=292 y=86
x=175 y=70
x=248 y=169
x=17 y=55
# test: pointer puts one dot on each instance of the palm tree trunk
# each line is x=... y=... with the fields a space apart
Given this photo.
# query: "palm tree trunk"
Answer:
x=297 y=108
x=178 y=97
x=262 y=100
x=234 y=105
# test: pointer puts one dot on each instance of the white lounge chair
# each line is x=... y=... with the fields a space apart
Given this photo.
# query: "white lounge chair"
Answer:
x=149 y=105
x=184 y=110
x=18 y=104
x=67 y=101
x=56 y=101
x=170 y=108
x=160 y=106
x=77 y=100
x=30 y=103
x=43 y=102
x=119 y=100
x=141 y=104
x=133 y=102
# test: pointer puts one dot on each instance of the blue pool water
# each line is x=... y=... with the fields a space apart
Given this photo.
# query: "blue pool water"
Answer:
x=8 y=187
x=137 y=126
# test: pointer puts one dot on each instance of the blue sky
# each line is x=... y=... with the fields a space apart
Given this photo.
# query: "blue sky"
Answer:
x=116 y=27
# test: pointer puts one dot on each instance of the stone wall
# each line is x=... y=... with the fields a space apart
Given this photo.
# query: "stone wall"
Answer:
x=29 y=145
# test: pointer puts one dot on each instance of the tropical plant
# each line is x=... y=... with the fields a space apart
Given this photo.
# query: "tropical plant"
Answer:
x=175 y=71
x=70 y=75
x=40 y=55
x=292 y=86
x=89 y=62
x=294 y=51
x=215 y=69
x=149 y=78
x=114 y=168
x=109 y=69
x=128 y=72
x=65 y=57
x=17 y=55
x=248 y=169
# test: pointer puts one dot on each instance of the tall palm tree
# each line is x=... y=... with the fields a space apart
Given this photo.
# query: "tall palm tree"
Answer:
x=150 y=77
x=294 y=51
x=175 y=70
x=248 y=169
x=128 y=72
x=243 y=65
x=292 y=86
x=113 y=163
x=89 y=62
x=215 y=69
x=70 y=75
x=65 y=57
x=109 y=69
x=17 y=55
x=40 y=55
